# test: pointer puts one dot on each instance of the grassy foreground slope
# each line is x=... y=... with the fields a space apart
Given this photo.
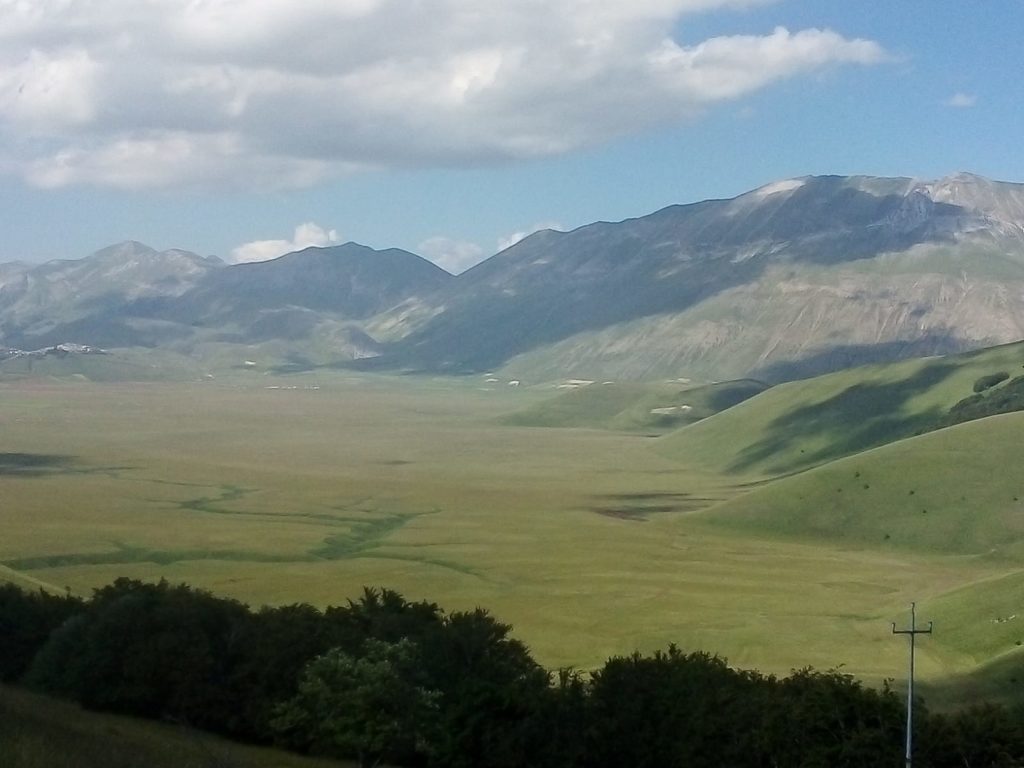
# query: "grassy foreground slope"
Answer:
x=41 y=732
x=654 y=407
x=802 y=424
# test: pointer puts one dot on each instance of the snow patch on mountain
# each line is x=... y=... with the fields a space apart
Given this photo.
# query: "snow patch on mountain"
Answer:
x=786 y=185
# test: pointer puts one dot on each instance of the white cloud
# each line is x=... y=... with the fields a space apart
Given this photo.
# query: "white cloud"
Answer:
x=149 y=160
x=509 y=240
x=454 y=256
x=728 y=67
x=306 y=235
x=50 y=90
x=135 y=93
x=961 y=100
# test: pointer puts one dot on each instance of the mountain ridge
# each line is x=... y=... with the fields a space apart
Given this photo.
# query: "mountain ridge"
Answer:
x=796 y=277
x=680 y=261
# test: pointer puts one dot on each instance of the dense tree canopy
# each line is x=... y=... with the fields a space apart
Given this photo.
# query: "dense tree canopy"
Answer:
x=383 y=679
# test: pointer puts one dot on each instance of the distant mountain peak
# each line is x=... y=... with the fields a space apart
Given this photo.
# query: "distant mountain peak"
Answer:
x=776 y=187
x=124 y=249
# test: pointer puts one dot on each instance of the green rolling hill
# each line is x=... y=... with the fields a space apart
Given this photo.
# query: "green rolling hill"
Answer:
x=653 y=408
x=953 y=491
x=794 y=426
x=863 y=461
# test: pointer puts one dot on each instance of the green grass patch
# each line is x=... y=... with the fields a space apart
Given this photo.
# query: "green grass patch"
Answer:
x=988 y=618
x=648 y=408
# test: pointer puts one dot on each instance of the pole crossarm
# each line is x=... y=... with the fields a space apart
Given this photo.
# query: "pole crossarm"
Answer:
x=912 y=632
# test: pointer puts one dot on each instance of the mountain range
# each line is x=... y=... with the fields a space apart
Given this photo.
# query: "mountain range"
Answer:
x=795 y=278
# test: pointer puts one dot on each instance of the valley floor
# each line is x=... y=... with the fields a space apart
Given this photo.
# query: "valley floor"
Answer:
x=307 y=488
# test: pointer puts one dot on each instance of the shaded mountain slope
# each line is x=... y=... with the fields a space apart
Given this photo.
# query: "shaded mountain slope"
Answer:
x=791 y=279
x=350 y=280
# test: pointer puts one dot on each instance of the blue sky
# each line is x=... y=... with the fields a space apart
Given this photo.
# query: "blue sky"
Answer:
x=223 y=126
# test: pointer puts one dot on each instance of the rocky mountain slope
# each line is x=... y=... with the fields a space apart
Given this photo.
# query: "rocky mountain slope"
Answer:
x=795 y=278
x=132 y=295
x=84 y=300
x=798 y=277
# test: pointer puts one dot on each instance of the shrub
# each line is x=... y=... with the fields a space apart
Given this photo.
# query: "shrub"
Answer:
x=990 y=380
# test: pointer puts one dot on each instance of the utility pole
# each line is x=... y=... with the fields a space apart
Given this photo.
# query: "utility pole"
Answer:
x=913 y=632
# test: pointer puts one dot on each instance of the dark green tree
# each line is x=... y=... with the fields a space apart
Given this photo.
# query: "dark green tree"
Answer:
x=381 y=614
x=369 y=707
x=274 y=646
x=153 y=650
x=491 y=693
x=26 y=621
x=985 y=736
x=673 y=710
x=831 y=720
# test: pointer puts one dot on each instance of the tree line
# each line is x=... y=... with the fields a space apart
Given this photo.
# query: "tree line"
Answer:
x=388 y=681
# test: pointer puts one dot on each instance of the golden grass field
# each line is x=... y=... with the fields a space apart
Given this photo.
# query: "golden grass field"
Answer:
x=586 y=541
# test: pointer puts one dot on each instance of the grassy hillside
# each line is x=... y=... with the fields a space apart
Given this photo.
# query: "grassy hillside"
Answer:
x=801 y=424
x=952 y=491
x=653 y=408
x=40 y=732
x=117 y=365
x=998 y=681
x=25 y=581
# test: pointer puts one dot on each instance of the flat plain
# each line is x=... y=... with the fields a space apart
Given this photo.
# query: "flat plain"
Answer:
x=305 y=488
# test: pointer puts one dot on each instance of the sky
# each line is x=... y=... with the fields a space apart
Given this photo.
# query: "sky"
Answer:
x=451 y=128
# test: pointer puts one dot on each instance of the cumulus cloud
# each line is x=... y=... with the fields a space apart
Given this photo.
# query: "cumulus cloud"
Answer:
x=455 y=256
x=306 y=235
x=961 y=100
x=278 y=93
x=49 y=90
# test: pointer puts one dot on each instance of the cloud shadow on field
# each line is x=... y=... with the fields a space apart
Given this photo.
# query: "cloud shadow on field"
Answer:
x=861 y=417
x=35 y=464
x=639 y=506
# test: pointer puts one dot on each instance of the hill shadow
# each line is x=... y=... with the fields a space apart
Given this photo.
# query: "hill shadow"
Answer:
x=843 y=356
x=860 y=417
x=726 y=396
